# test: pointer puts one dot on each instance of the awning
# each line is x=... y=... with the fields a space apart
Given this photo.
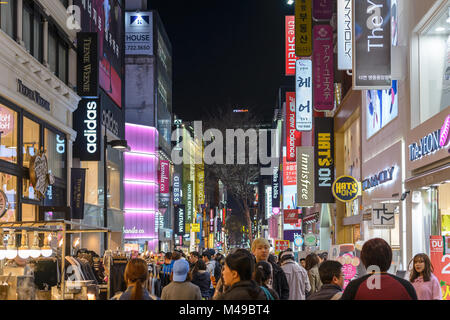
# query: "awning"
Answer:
x=433 y=176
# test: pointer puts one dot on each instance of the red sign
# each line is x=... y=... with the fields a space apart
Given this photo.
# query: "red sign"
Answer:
x=289 y=173
x=441 y=264
x=290 y=127
x=291 y=216
x=211 y=220
x=323 y=68
x=290 y=45
x=281 y=245
x=164 y=176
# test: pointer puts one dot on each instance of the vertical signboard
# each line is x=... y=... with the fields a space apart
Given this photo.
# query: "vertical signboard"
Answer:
x=290 y=126
x=139 y=33
x=87 y=68
x=78 y=179
x=200 y=184
x=180 y=211
x=289 y=183
x=324 y=159
x=176 y=188
x=323 y=68
x=276 y=189
x=303 y=28
x=290 y=45
x=86 y=120
x=305 y=176
x=268 y=201
x=164 y=177
x=303 y=92
x=322 y=9
x=189 y=202
x=372 y=44
x=345 y=35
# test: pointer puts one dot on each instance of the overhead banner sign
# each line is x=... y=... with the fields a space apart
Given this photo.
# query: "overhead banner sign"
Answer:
x=305 y=176
x=372 y=44
x=268 y=201
x=176 y=188
x=86 y=121
x=138 y=33
x=290 y=45
x=87 y=68
x=291 y=216
x=77 y=190
x=346 y=188
x=291 y=134
x=303 y=28
x=324 y=159
x=180 y=211
x=303 y=92
x=345 y=34
x=322 y=9
x=323 y=68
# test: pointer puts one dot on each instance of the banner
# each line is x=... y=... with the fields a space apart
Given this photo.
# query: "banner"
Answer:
x=281 y=245
x=200 y=184
x=139 y=33
x=290 y=45
x=291 y=136
x=323 y=68
x=86 y=122
x=372 y=44
x=323 y=9
x=87 y=67
x=303 y=28
x=291 y=235
x=346 y=188
x=179 y=223
x=291 y=216
x=77 y=190
x=303 y=93
x=177 y=188
x=164 y=185
x=276 y=188
x=189 y=202
x=345 y=35
x=305 y=176
x=323 y=159
x=441 y=263
x=289 y=183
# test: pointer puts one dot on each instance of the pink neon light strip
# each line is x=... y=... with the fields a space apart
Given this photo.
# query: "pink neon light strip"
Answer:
x=139 y=126
x=141 y=154
x=141 y=183
x=444 y=131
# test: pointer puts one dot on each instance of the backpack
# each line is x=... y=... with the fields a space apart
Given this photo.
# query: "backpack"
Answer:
x=217 y=271
x=267 y=292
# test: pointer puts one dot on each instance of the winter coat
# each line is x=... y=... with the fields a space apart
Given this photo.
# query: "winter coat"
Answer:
x=181 y=291
x=327 y=292
x=297 y=278
x=244 y=290
x=279 y=282
x=314 y=279
x=202 y=279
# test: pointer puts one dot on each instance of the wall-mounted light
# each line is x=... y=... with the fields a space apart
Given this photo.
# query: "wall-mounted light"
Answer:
x=290 y=2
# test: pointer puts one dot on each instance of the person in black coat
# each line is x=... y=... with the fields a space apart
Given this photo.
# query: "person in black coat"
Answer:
x=201 y=278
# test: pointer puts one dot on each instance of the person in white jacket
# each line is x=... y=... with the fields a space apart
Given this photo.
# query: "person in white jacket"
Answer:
x=296 y=275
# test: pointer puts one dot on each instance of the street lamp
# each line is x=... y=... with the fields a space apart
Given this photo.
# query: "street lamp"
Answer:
x=122 y=146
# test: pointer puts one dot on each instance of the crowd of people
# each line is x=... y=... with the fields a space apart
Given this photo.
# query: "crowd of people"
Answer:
x=257 y=274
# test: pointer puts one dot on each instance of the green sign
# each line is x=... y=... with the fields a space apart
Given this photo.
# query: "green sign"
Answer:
x=310 y=240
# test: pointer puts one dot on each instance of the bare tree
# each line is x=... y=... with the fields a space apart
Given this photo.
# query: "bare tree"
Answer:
x=237 y=178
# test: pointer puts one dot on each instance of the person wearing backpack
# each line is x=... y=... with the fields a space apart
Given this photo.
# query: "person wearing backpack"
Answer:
x=263 y=275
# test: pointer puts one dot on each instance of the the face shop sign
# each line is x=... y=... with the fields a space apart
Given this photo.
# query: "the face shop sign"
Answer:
x=426 y=146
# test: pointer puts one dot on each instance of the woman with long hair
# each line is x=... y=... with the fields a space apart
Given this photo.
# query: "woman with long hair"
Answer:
x=312 y=266
x=262 y=276
x=136 y=273
x=201 y=278
x=423 y=280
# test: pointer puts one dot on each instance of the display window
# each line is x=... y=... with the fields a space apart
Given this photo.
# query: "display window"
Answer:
x=8 y=184
x=31 y=140
x=444 y=208
x=8 y=134
x=55 y=145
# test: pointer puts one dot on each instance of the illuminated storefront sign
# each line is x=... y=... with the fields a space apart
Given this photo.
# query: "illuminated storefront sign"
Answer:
x=180 y=211
x=291 y=134
x=87 y=68
x=323 y=68
x=139 y=33
x=429 y=144
x=303 y=94
x=346 y=188
x=324 y=159
x=344 y=32
x=305 y=176
x=303 y=28
x=87 y=124
x=290 y=45
x=176 y=188
x=378 y=179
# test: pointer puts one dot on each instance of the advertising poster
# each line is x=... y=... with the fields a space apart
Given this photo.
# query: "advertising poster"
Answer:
x=303 y=28
x=290 y=45
x=381 y=108
x=305 y=176
x=289 y=183
x=78 y=180
x=105 y=17
x=323 y=65
x=303 y=93
x=139 y=33
x=441 y=263
x=372 y=44
x=324 y=159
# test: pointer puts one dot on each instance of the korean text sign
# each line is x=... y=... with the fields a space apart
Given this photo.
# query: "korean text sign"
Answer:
x=323 y=68
x=303 y=28
x=303 y=89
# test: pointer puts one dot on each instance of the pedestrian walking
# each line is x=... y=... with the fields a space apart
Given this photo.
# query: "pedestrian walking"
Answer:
x=303 y=263
x=210 y=267
x=193 y=258
x=323 y=256
x=312 y=266
x=262 y=276
x=237 y=276
x=260 y=249
x=378 y=285
x=181 y=287
x=296 y=276
x=332 y=279
x=136 y=273
x=166 y=270
x=423 y=280
x=201 y=278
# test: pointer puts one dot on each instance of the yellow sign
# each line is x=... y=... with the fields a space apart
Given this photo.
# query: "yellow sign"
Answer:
x=346 y=188
x=195 y=227
x=211 y=241
x=197 y=241
x=303 y=28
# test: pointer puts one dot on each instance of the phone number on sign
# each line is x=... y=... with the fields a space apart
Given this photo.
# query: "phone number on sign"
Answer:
x=139 y=47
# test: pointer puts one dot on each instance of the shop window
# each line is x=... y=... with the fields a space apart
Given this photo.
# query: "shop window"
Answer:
x=433 y=68
x=52 y=46
x=27 y=22
x=31 y=140
x=30 y=212
x=8 y=185
x=55 y=145
x=28 y=190
x=37 y=37
x=113 y=186
x=7 y=17
x=444 y=208
x=91 y=190
x=8 y=134
x=62 y=62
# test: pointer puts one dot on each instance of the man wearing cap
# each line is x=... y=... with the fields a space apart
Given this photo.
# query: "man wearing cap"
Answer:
x=296 y=276
x=181 y=287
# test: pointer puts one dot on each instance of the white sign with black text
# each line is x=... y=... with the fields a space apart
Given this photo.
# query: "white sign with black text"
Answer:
x=303 y=95
x=139 y=33
x=383 y=215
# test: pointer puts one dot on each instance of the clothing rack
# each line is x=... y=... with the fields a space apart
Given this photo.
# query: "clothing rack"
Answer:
x=64 y=226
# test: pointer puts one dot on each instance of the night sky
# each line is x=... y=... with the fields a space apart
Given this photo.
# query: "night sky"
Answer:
x=225 y=52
